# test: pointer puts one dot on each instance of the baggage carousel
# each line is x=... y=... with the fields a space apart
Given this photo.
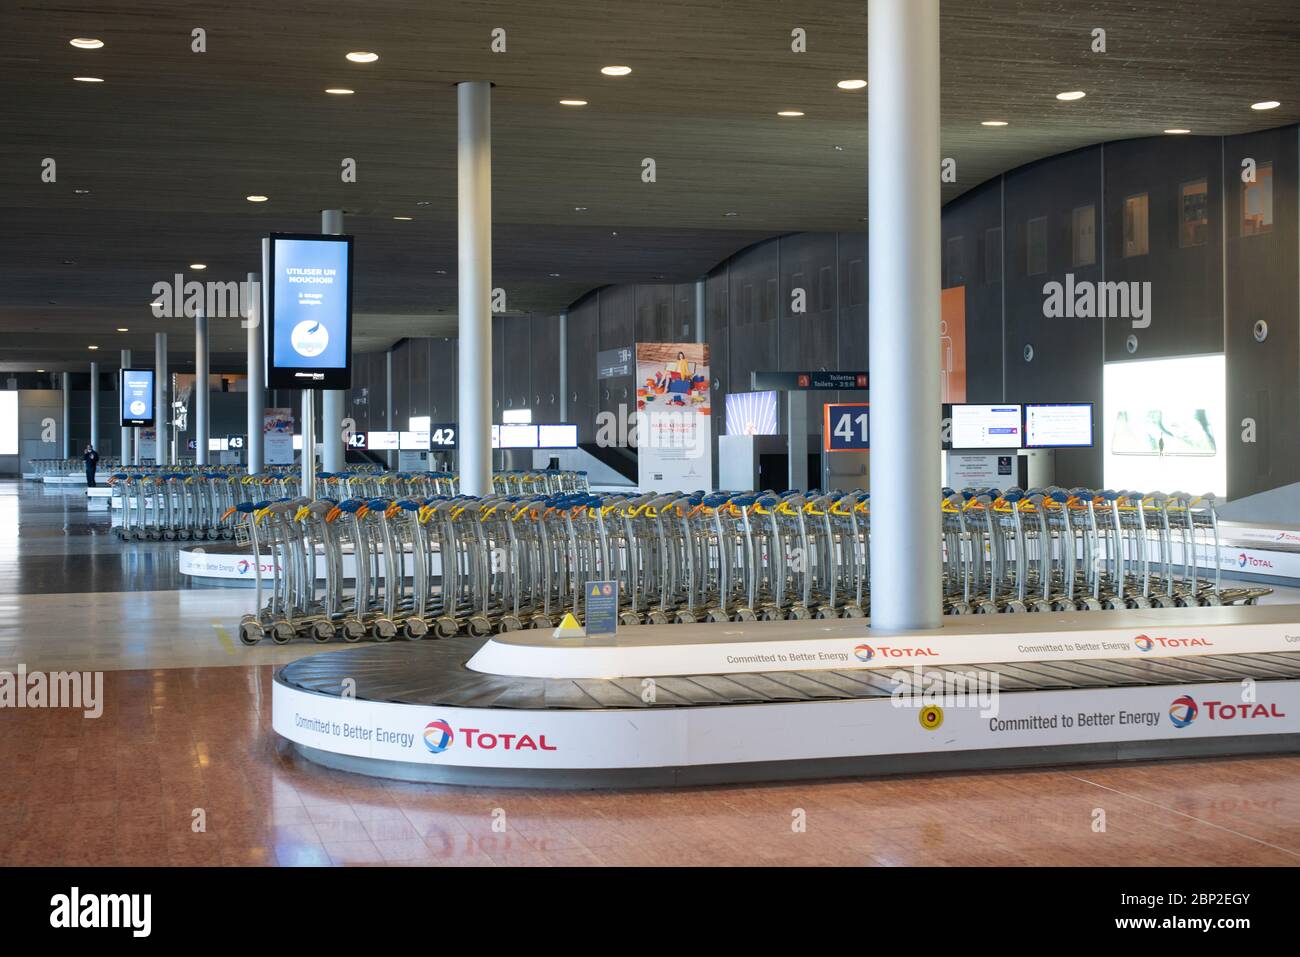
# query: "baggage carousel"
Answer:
x=804 y=700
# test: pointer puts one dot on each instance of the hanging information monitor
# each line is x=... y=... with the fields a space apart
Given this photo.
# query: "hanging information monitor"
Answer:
x=309 y=312
x=136 y=389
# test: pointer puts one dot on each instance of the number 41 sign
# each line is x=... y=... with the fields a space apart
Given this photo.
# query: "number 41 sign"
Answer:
x=846 y=426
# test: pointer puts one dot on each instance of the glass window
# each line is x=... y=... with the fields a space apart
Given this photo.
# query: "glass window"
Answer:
x=1135 y=226
x=1083 y=236
x=1193 y=213
x=1257 y=202
x=993 y=254
x=1037 y=246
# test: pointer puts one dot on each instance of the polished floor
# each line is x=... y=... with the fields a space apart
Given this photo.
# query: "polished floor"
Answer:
x=183 y=768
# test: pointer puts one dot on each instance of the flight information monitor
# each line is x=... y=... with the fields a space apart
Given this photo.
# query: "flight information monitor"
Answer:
x=309 y=312
x=986 y=427
x=557 y=436
x=1066 y=425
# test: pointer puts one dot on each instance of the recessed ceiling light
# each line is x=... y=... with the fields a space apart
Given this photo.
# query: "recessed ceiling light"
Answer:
x=339 y=90
x=441 y=272
x=88 y=79
x=1177 y=131
x=573 y=102
x=81 y=192
x=404 y=219
x=1071 y=95
x=198 y=265
x=257 y=198
x=616 y=70
x=86 y=43
x=730 y=214
x=363 y=56
x=580 y=209
x=790 y=113
x=839 y=149
x=851 y=84
x=1265 y=105
x=994 y=123
x=92 y=347
x=40 y=370
x=555 y=275
x=424 y=202
x=123 y=329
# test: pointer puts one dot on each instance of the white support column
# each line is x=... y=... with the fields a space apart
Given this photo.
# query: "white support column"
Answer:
x=253 y=445
x=333 y=401
x=904 y=238
x=94 y=406
x=474 y=260
x=201 y=365
x=128 y=434
x=309 y=443
x=65 y=383
x=162 y=400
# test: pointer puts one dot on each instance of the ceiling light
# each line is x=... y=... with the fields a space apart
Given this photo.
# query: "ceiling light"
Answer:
x=616 y=70
x=92 y=347
x=404 y=219
x=790 y=113
x=994 y=123
x=851 y=84
x=88 y=79
x=1071 y=95
x=40 y=370
x=573 y=102
x=81 y=192
x=730 y=214
x=198 y=265
x=580 y=209
x=123 y=329
x=1177 y=131
x=86 y=43
x=256 y=198
x=339 y=91
x=1265 y=105
x=555 y=275
x=363 y=56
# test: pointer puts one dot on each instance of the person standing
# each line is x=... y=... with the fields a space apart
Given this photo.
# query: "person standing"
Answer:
x=91 y=458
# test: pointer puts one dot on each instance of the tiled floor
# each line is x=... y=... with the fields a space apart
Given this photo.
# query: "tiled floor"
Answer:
x=183 y=768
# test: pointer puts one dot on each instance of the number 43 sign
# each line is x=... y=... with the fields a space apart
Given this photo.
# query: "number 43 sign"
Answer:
x=846 y=427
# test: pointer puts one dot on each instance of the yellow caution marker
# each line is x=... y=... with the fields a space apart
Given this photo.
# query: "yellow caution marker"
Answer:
x=569 y=628
x=931 y=717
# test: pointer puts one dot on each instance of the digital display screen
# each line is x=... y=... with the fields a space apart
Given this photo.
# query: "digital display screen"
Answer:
x=517 y=437
x=557 y=436
x=309 y=315
x=137 y=397
x=414 y=441
x=517 y=416
x=986 y=427
x=752 y=413
x=382 y=441
x=1062 y=426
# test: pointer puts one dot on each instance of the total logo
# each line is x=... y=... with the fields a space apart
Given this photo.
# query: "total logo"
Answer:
x=1250 y=561
x=439 y=736
x=244 y=565
x=1145 y=643
x=864 y=652
x=1184 y=710
x=885 y=651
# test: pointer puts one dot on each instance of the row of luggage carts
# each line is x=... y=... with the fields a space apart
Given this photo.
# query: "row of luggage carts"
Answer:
x=39 y=469
x=444 y=565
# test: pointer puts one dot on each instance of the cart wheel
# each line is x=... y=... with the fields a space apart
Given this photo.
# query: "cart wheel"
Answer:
x=1139 y=602
x=1253 y=600
x=629 y=618
x=282 y=633
x=770 y=614
x=986 y=607
x=415 y=628
x=250 y=631
x=213 y=534
x=1089 y=604
x=1211 y=601
x=1016 y=607
x=539 y=621
x=444 y=626
x=169 y=536
x=1182 y=601
x=353 y=629
x=1112 y=604
x=685 y=617
x=853 y=611
x=826 y=611
x=658 y=617
x=509 y=623
x=322 y=630
x=480 y=626
x=716 y=615
x=1161 y=601
x=383 y=629
x=745 y=614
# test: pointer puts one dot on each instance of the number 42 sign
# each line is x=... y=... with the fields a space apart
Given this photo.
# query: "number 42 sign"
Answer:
x=846 y=426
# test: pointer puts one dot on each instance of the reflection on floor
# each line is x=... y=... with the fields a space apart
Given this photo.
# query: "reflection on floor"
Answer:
x=183 y=768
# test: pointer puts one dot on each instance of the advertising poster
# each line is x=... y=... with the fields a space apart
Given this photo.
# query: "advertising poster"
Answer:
x=277 y=436
x=309 y=332
x=674 y=434
x=148 y=439
x=952 y=344
x=137 y=397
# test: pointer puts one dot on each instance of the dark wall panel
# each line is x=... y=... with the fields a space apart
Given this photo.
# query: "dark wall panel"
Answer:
x=809 y=340
x=1185 y=268
x=544 y=361
x=972 y=243
x=753 y=309
x=445 y=382
x=617 y=329
x=1262 y=284
x=582 y=347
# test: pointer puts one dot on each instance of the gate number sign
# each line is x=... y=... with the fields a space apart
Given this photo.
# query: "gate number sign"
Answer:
x=846 y=426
